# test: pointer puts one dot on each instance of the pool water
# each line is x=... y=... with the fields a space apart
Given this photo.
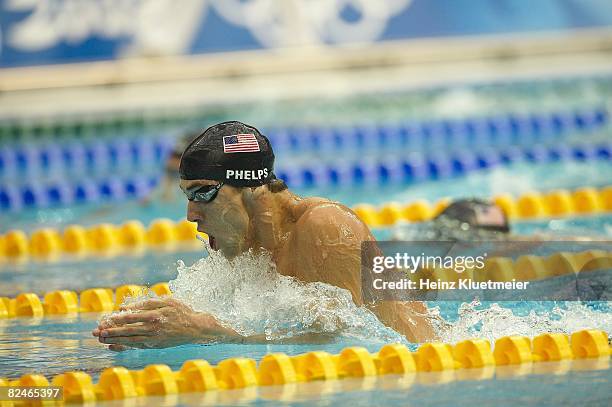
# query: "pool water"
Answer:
x=56 y=344
x=516 y=179
x=149 y=268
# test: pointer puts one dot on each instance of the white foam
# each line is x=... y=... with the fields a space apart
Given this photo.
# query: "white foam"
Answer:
x=248 y=295
x=495 y=321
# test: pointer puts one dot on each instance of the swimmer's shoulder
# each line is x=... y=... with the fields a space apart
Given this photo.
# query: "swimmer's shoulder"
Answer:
x=318 y=207
x=324 y=212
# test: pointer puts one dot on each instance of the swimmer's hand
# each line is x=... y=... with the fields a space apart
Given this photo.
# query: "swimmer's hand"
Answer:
x=159 y=323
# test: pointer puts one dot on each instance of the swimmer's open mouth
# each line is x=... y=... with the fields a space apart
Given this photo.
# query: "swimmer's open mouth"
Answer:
x=212 y=242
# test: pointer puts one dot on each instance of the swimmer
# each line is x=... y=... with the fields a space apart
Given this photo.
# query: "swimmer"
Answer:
x=227 y=174
x=466 y=220
x=463 y=220
x=166 y=190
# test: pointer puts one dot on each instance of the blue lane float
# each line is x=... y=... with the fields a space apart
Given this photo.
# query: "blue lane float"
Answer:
x=396 y=169
x=15 y=198
x=390 y=169
x=493 y=131
x=104 y=156
x=99 y=157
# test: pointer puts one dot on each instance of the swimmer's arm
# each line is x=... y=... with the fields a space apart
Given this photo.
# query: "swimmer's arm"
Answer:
x=409 y=318
x=159 y=323
x=327 y=248
x=337 y=233
x=308 y=338
x=166 y=322
x=213 y=331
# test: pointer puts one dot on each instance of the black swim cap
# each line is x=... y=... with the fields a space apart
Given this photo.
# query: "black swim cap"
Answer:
x=181 y=144
x=476 y=213
x=232 y=152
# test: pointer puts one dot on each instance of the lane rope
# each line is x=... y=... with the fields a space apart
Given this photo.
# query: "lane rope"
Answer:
x=78 y=242
x=390 y=169
x=475 y=358
x=498 y=269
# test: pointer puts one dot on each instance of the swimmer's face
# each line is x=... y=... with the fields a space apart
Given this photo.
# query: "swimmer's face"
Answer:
x=173 y=163
x=224 y=219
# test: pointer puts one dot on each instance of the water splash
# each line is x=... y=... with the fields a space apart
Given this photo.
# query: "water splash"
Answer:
x=247 y=294
x=494 y=321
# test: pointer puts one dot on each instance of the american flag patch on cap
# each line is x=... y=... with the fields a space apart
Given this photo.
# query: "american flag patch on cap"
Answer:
x=240 y=143
x=489 y=216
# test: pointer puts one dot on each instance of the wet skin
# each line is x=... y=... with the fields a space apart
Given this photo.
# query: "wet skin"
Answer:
x=311 y=239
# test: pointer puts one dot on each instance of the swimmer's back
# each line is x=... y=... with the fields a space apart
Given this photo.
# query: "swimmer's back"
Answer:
x=324 y=212
x=325 y=246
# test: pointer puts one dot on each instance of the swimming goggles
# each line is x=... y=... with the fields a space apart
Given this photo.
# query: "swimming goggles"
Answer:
x=204 y=193
x=505 y=228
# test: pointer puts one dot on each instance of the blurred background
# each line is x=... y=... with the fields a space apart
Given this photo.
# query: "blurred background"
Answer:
x=392 y=107
x=364 y=101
